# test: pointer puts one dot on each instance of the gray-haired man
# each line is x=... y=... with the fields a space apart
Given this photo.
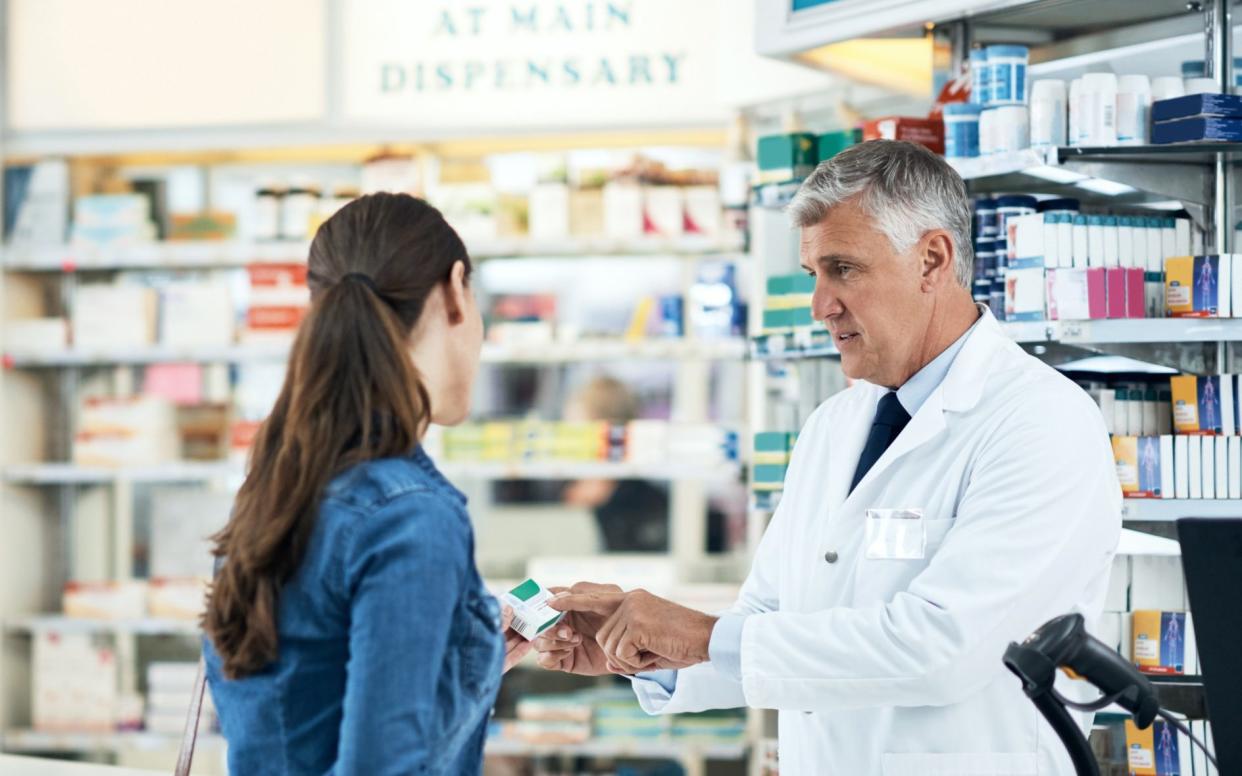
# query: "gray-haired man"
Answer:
x=956 y=497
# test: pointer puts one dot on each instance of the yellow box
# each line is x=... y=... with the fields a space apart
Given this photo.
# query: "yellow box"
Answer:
x=1125 y=456
x=1154 y=751
x=1159 y=642
x=1179 y=283
x=1185 y=403
x=1140 y=750
x=1194 y=285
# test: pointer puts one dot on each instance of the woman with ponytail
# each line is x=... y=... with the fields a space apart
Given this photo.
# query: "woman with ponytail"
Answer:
x=347 y=629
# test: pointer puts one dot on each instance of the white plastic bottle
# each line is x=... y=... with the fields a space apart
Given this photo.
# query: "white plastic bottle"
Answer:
x=1133 y=110
x=1076 y=123
x=1048 y=113
x=1100 y=95
x=1166 y=87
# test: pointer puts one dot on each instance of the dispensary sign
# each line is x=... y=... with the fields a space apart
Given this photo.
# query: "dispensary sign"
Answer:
x=505 y=63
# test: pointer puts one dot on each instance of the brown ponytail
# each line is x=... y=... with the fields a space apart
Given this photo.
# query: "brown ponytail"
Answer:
x=351 y=394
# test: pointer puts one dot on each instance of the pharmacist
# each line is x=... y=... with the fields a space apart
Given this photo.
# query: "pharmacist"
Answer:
x=959 y=495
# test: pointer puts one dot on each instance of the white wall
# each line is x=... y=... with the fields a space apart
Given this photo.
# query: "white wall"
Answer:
x=80 y=64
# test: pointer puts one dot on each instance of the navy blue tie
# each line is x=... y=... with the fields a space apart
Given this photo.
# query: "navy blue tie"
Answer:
x=890 y=419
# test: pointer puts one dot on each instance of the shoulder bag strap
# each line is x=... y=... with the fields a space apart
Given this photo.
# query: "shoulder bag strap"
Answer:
x=188 y=738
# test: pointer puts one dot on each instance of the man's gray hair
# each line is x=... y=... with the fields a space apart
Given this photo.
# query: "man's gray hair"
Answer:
x=906 y=188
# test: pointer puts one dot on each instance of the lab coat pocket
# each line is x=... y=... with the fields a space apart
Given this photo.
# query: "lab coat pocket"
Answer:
x=877 y=580
x=961 y=764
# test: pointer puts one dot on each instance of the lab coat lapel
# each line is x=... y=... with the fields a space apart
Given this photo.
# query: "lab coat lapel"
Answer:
x=849 y=432
x=926 y=424
x=960 y=390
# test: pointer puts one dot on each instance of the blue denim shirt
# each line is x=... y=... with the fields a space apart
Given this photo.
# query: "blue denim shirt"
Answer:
x=390 y=649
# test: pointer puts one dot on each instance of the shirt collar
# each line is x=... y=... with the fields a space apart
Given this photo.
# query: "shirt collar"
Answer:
x=918 y=388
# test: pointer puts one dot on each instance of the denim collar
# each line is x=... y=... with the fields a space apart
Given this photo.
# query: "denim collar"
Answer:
x=424 y=462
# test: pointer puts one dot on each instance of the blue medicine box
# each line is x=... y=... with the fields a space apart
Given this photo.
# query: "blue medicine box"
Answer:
x=1197 y=129
x=1193 y=105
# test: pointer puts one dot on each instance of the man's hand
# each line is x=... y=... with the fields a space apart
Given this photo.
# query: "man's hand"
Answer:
x=570 y=645
x=643 y=632
x=516 y=647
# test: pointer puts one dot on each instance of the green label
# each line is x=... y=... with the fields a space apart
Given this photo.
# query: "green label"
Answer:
x=525 y=591
x=549 y=624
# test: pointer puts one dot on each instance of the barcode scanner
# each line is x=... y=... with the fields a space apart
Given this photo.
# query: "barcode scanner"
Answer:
x=1064 y=643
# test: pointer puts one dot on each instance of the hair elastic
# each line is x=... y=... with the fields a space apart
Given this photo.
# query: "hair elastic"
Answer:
x=361 y=278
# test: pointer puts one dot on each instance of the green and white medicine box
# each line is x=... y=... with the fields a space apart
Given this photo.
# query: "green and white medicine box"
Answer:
x=531 y=613
x=788 y=157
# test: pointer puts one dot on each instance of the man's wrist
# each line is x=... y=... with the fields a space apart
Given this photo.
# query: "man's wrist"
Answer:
x=703 y=638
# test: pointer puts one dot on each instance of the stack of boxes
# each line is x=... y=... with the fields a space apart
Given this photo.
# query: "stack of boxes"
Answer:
x=789 y=324
x=787 y=307
x=170 y=687
x=279 y=299
x=1147 y=621
x=1047 y=261
x=133 y=313
x=1203 y=286
x=785 y=160
x=610 y=714
x=137 y=431
x=1197 y=117
x=769 y=465
x=1197 y=452
x=112 y=221
x=641 y=442
x=74 y=683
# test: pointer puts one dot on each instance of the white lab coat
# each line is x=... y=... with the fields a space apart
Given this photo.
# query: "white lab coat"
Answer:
x=894 y=666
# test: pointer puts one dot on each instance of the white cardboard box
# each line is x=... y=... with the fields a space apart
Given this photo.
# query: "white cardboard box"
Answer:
x=114 y=316
x=1208 y=448
x=1156 y=583
x=1194 y=459
x=1167 y=467
x=1181 y=466
x=196 y=315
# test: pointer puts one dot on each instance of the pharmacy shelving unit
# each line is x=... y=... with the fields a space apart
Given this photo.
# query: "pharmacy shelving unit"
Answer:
x=586 y=350
x=1066 y=37
x=56 y=474
x=217 y=254
x=657 y=748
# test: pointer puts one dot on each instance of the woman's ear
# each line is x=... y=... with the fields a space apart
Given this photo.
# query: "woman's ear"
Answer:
x=455 y=293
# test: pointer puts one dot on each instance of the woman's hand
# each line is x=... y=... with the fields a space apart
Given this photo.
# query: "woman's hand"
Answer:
x=516 y=647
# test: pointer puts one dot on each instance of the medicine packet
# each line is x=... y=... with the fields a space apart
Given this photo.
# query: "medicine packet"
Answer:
x=531 y=613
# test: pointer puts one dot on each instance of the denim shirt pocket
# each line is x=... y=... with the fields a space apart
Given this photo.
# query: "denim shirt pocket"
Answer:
x=482 y=645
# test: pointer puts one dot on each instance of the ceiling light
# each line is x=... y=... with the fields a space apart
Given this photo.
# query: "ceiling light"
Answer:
x=1055 y=174
x=1114 y=365
x=1107 y=188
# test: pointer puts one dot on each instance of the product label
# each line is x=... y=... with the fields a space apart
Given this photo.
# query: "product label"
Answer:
x=531 y=613
x=1146 y=649
x=1001 y=83
x=1179 y=296
x=1148 y=467
x=1185 y=415
x=1141 y=758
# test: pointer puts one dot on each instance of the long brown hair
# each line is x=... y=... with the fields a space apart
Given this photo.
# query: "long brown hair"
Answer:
x=352 y=393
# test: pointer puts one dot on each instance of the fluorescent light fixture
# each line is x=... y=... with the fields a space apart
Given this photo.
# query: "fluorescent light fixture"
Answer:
x=1055 y=174
x=1114 y=365
x=1107 y=188
x=1164 y=204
